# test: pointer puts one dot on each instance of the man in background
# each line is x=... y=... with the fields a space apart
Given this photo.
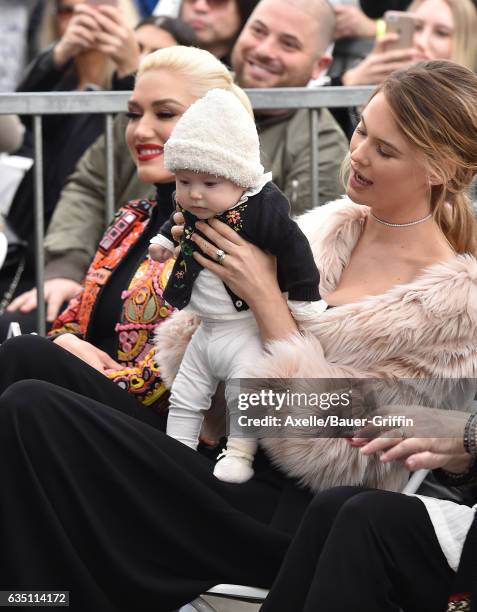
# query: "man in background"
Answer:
x=217 y=23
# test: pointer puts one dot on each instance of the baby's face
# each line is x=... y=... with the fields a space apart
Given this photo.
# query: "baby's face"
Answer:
x=205 y=195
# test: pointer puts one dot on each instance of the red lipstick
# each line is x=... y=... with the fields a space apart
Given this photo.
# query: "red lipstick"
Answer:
x=146 y=152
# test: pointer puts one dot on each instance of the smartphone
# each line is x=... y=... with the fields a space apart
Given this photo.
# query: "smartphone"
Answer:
x=403 y=24
x=98 y=2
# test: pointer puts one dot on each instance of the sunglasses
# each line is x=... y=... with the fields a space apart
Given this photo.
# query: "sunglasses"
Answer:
x=212 y=3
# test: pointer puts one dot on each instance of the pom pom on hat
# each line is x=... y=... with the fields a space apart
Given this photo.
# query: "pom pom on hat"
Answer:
x=216 y=135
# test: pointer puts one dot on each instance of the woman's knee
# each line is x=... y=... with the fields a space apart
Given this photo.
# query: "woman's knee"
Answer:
x=377 y=509
x=30 y=418
x=22 y=348
x=328 y=503
x=25 y=397
x=26 y=357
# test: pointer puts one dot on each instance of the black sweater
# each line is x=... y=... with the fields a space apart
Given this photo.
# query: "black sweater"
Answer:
x=377 y=8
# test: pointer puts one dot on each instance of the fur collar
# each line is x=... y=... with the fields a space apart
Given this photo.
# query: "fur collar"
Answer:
x=333 y=231
x=437 y=309
x=425 y=328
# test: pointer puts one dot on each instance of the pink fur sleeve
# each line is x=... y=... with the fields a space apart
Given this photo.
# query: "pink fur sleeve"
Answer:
x=171 y=340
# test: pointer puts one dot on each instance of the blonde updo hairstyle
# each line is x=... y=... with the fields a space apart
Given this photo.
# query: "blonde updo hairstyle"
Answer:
x=199 y=68
x=434 y=104
x=464 y=39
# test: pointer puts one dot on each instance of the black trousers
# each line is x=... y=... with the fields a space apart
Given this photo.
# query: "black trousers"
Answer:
x=98 y=501
x=363 y=550
x=34 y=357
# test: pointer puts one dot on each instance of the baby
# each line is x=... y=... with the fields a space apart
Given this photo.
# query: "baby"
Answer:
x=215 y=155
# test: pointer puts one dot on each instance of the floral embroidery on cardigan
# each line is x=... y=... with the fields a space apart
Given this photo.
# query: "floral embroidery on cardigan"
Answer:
x=233 y=217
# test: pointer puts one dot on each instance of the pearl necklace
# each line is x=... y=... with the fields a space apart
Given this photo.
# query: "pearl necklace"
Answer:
x=401 y=224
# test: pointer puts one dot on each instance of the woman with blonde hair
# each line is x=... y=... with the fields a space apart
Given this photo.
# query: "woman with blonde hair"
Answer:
x=397 y=257
x=93 y=43
x=120 y=347
x=141 y=546
x=379 y=551
x=445 y=29
x=464 y=42
x=399 y=273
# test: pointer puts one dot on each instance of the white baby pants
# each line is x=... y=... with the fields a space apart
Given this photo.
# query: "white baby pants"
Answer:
x=219 y=350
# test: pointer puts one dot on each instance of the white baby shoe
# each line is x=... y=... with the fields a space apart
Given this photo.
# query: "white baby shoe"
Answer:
x=234 y=466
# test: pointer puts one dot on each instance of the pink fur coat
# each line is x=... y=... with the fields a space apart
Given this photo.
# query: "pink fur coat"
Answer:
x=425 y=328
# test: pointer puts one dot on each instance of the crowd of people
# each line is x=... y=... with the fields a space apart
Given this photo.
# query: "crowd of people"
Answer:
x=125 y=509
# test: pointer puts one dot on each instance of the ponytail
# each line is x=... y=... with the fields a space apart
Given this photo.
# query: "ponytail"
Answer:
x=457 y=221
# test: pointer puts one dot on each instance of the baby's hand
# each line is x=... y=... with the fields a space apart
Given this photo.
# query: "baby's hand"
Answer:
x=159 y=253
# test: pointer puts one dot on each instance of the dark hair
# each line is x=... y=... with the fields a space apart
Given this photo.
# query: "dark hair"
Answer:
x=182 y=33
x=245 y=9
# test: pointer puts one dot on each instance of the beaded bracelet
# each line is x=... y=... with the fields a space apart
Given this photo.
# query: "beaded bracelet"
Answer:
x=470 y=446
x=470 y=435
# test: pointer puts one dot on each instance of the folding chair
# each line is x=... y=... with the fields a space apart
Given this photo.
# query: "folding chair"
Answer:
x=254 y=595
x=236 y=592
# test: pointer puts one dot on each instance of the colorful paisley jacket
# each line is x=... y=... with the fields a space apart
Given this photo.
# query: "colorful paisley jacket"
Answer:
x=143 y=307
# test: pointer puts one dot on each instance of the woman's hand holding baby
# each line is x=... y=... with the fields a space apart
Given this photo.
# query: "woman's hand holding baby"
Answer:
x=246 y=269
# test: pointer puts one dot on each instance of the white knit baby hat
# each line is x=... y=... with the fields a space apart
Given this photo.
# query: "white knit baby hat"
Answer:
x=216 y=135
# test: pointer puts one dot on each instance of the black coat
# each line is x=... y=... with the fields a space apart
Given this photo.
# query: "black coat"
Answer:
x=377 y=8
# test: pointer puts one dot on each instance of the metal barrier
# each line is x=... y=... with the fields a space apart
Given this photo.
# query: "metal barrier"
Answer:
x=109 y=103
